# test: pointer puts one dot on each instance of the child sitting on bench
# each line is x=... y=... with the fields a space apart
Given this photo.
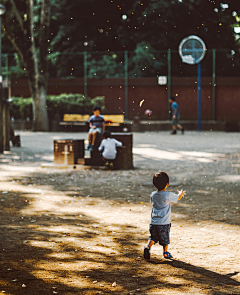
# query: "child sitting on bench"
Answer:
x=97 y=125
x=108 y=149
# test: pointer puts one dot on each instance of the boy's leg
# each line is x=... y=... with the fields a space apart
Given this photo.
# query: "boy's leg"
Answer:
x=147 y=249
x=89 y=140
x=164 y=234
x=150 y=243
x=181 y=128
x=174 y=127
x=94 y=137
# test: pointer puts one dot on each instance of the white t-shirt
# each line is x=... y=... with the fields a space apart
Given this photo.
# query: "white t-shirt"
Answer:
x=161 y=207
x=108 y=146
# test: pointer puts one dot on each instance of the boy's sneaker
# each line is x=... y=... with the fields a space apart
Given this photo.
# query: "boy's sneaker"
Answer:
x=91 y=148
x=146 y=252
x=107 y=164
x=174 y=132
x=182 y=130
x=88 y=146
x=111 y=166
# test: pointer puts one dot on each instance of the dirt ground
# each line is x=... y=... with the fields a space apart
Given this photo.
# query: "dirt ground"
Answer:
x=76 y=231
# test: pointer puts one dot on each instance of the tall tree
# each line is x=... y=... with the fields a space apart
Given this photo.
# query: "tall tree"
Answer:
x=26 y=24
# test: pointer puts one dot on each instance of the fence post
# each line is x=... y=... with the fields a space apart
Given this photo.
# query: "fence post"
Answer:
x=85 y=73
x=214 y=85
x=126 y=84
x=199 y=96
x=1 y=96
x=169 y=83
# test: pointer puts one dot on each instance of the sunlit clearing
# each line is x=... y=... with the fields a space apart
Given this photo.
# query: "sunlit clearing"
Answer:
x=156 y=154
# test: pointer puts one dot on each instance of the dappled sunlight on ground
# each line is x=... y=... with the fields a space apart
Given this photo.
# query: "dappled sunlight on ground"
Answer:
x=83 y=231
x=156 y=154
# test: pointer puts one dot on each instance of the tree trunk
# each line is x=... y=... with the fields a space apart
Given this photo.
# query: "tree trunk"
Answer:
x=40 y=117
x=37 y=70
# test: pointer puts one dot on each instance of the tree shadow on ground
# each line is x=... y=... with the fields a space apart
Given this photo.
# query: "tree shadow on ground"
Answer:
x=50 y=250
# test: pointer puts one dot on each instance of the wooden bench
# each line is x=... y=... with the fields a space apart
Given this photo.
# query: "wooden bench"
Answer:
x=114 y=123
x=72 y=122
x=76 y=119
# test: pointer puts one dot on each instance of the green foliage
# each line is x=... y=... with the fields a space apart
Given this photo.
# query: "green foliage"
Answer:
x=144 y=63
x=106 y=67
x=64 y=103
x=160 y=25
x=72 y=104
x=12 y=67
x=21 y=108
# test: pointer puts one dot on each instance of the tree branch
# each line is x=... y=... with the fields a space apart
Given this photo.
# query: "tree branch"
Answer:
x=32 y=40
x=12 y=40
x=43 y=36
x=17 y=13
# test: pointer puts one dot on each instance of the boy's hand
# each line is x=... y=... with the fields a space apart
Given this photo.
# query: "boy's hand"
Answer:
x=181 y=194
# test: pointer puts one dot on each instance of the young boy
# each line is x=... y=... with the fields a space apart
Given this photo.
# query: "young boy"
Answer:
x=96 y=124
x=108 y=148
x=161 y=214
x=175 y=116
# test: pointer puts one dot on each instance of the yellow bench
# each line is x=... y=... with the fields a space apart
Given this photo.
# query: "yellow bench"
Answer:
x=74 y=121
x=75 y=118
x=113 y=120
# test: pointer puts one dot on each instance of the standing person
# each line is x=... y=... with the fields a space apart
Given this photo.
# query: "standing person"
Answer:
x=161 y=214
x=108 y=149
x=97 y=125
x=175 y=116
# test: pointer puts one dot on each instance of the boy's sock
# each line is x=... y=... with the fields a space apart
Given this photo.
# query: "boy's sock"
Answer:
x=146 y=252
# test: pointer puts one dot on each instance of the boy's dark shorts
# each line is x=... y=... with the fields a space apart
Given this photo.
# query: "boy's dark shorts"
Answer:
x=160 y=233
x=175 y=121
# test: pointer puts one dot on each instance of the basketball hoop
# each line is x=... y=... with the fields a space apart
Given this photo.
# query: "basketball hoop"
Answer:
x=192 y=50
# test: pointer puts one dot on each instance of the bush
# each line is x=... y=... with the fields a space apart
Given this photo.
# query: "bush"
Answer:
x=64 y=103
x=21 y=108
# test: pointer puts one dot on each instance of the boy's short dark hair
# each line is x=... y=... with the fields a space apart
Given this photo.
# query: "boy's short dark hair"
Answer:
x=173 y=98
x=160 y=180
x=97 y=108
x=106 y=134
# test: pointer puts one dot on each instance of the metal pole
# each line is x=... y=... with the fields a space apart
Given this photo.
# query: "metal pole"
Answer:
x=1 y=94
x=169 y=84
x=85 y=73
x=214 y=85
x=199 y=96
x=6 y=70
x=126 y=84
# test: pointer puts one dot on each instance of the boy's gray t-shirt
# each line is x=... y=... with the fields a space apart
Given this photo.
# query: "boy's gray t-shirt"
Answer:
x=161 y=207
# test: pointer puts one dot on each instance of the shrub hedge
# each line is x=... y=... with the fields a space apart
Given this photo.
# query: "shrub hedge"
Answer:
x=65 y=103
